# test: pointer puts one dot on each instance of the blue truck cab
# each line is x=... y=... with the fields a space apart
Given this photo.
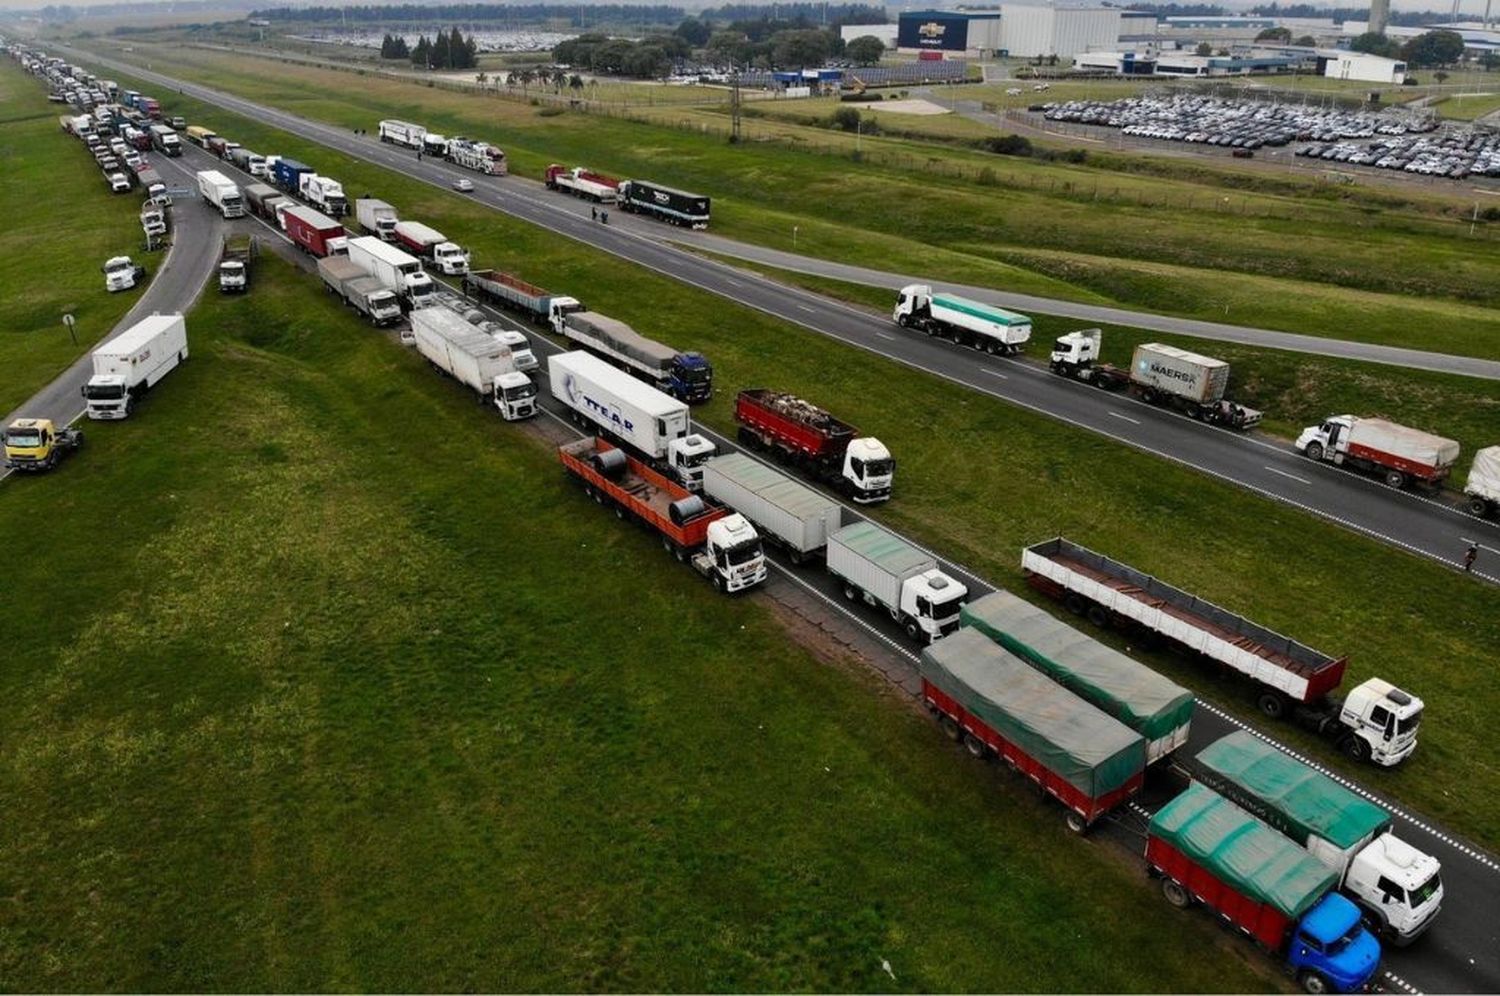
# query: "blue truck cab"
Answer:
x=288 y=174
x=691 y=378
x=1330 y=948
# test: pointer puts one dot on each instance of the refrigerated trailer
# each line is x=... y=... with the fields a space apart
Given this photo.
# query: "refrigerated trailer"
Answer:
x=474 y=359
x=881 y=569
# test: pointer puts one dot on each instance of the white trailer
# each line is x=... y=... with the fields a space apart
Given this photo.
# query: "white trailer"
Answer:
x=323 y=192
x=429 y=243
x=1483 y=485
x=477 y=156
x=376 y=217
x=132 y=362
x=400 y=272
x=1398 y=453
x=474 y=359
x=220 y=191
x=966 y=322
x=790 y=513
x=883 y=570
x=402 y=133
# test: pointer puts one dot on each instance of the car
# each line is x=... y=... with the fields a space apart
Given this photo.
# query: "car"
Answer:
x=463 y=185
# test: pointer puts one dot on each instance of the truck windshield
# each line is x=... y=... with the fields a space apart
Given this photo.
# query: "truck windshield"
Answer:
x=879 y=468
x=939 y=610
x=744 y=553
x=104 y=392
x=23 y=438
x=1408 y=724
x=697 y=459
x=520 y=393
x=703 y=375
x=1424 y=892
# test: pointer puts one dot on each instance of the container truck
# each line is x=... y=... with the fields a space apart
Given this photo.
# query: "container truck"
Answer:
x=966 y=322
x=1159 y=375
x=165 y=140
x=474 y=359
x=1396 y=453
x=220 y=192
x=362 y=292
x=429 y=243
x=676 y=207
x=262 y=199
x=1206 y=849
x=376 y=217
x=200 y=136
x=477 y=156
x=400 y=272
x=151 y=107
x=324 y=193
x=287 y=174
x=234 y=263
x=131 y=363
x=1399 y=887
x=793 y=516
x=883 y=570
x=515 y=294
x=1377 y=721
x=1159 y=709
x=649 y=422
x=686 y=376
x=720 y=544
x=799 y=433
x=313 y=231
x=583 y=183
x=996 y=704
x=401 y=133
x=1483 y=486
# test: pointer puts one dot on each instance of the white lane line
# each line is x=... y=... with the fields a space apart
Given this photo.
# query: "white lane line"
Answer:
x=1294 y=477
x=886 y=335
x=810 y=311
x=1123 y=418
x=994 y=373
x=732 y=282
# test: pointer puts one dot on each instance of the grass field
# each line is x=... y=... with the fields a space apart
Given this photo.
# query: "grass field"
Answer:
x=362 y=695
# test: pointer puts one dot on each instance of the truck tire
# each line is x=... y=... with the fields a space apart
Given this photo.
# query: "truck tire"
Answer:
x=717 y=580
x=1395 y=479
x=1075 y=603
x=850 y=592
x=1357 y=749
x=1314 y=983
x=977 y=748
x=912 y=630
x=1314 y=451
x=1098 y=615
x=1273 y=704
x=1479 y=506
x=950 y=728
x=1077 y=823
x=1175 y=893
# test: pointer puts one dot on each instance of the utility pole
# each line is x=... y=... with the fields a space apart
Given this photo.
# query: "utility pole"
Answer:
x=734 y=107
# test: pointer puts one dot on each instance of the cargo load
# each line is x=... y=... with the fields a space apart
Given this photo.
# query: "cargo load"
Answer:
x=1398 y=453
x=1483 y=485
x=797 y=517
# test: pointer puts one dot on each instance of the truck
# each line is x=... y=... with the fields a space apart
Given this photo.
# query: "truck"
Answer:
x=165 y=140
x=401 y=133
x=883 y=570
x=511 y=292
x=1206 y=849
x=201 y=136
x=1396 y=453
x=997 y=705
x=676 y=207
x=220 y=192
x=583 y=183
x=262 y=199
x=637 y=415
x=131 y=363
x=1159 y=374
x=376 y=217
x=1399 y=887
x=287 y=174
x=429 y=243
x=1483 y=486
x=150 y=107
x=968 y=323
x=474 y=359
x=1377 y=722
x=221 y=146
x=154 y=221
x=324 y=193
x=362 y=292
x=313 y=231
x=686 y=376
x=399 y=272
x=122 y=273
x=251 y=162
x=477 y=156
x=138 y=139
x=720 y=545
x=810 y=439
x=235 y=257
x=791 y=515
x=36 y=444
x=155 y=187
x=1154 y=706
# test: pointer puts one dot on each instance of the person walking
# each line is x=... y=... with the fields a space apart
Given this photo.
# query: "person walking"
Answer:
x=1471 y=555
x=593 y=212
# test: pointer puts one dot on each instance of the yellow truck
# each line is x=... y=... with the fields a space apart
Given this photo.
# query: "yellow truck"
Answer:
x=36 y=444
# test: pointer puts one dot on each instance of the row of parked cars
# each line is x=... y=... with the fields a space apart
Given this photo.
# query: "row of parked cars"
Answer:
x=1457 y=154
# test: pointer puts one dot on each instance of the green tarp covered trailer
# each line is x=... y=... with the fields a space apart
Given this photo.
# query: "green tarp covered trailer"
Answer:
x=1150 y=704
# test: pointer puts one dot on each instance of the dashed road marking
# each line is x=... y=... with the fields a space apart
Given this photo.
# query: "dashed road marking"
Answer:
x=1123 y=418
x=1294 y=477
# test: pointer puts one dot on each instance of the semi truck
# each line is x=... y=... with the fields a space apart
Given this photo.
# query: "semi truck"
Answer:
x=262 y=199
x=429 y=243
x=287 y=174
x=376 y=217
x=154 y=220
x=1154 y=706
x=513 y=293
x=520 y=346
x=251 y=162
x=882 y=570
x=165 y=140
x=583 y=183
x=401 y=133
x=200 y=136
x=637 y=415
x=122 y=273
x=131 y=363
x=686 y=376
x=152 y=183
x=1377 y=721
x=314 y=232
x=793 y=516
x=324 y=193
x=36 y=444
x=477 y=156
x=1399 y=887
x=222 y=147
x=676 y=207
x=1483 y=486
x=721 y=545
x=1206 y=849
x=1397 y=454
x=400 y=272
x=1159 y=375
x=362 y=292
x=474 y=359
x=235 y=257
x=997 y=705
x=968 y=323
x=221 y=192
x=804 y=436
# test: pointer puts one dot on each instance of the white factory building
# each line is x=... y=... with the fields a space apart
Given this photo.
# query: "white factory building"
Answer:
x=1020 y=30
x=1478 y=39
x=1341 y=65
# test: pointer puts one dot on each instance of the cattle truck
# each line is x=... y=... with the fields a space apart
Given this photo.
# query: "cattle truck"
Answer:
x=376 y=217
x=399 y=271
x=802 y=435
x=583 y=183
x=686 y=376
x=131 y=363
x=477 y=156
x=361 y=291
x=966 y=322
x=881 y=569
x=314 y=232
x=1397 y=454
x=1483 y=486
x=511 y=292
x=220 y=192
x=676 y=207
x=790 y=514
x=474 y=359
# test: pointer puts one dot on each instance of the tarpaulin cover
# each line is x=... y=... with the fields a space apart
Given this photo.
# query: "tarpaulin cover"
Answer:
x=1137 y=696
x=1091 y=751
x=624 y=340
x=1295 y=798
x=1403 y=441
x=1485 y=474
x=1242 y=852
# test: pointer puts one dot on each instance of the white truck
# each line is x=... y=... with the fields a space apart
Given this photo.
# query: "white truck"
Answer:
x=400 y=272
x=362 y=292
x=474 y=359
x=1396 y=453
x=789 y=513
x=966 y=322
x=221 y=192
x=122 y=273
x=477 y=156
x=519 y=345
x=132 y=362
x=402 y=133
x=376 y=217
x=165 y=140
x=1483 y=486
x=324 y=193
x=622 y=408
x=429 y=243
x=883 y=570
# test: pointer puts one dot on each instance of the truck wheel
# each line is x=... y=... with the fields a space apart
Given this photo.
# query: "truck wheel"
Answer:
x=1314 y=451
x=1075 y=603
x=977 y=748
x=913 y=631
x=850 y=593
x=1395 y=479
x=1313 y=983
x=1479 y=506
x=1175 y=893
x=718 y=582
x=1357 y=749
x=1077 y=823
x=667 y=544
x=1098 y=616
x=1273 y=704
x=903 y=320
x=950 y=728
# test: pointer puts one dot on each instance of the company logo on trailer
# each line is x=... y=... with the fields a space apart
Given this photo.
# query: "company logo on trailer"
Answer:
x=604 y=413
x=1163 y=371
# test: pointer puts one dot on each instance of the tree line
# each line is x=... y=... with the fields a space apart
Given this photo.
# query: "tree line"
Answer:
x=1433 y=48
x=468 y=13
x=446 y=50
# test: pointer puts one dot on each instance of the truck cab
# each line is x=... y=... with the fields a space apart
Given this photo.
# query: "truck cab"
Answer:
x=869 y=470
x=420 y=289
x=1331 y=949
x=232 y=278
x=1381 y=721
x=558 y=310
x=692 y=378
x=912 y=302
x=732 y=554
x=519 y=346
x=450 y=258
x=106 y=397
x=686 y=456
x=120 y=273
x=1400 y=887
x=1322 y=441
x=515 y=396
x=930 y=603
x=36 y=444
x=1076 y=350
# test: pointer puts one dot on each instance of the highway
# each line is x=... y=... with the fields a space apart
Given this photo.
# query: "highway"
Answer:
x=1436 y=528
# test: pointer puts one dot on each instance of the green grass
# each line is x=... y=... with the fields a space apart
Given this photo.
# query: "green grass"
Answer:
x=61 y=224
x=354 y=699
x=1471 y=105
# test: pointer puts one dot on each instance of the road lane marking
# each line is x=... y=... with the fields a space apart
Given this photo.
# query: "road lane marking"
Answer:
x=1294 y=477
x=1123 y=418
x=994 y=373
x=886 y=335
x=810 y=311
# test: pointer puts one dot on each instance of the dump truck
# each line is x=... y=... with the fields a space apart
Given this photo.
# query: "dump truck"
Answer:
x=1157 y=708
x=314 y=232
x=1399 y=887
x=474 y=359
x=361 y=291
x=686 y=376
x=802 y=435
x=789 y=514
x=1204 y=848
x=583 y=183
x=133 y=362
x=1483 y=486
x=511 y=292
x=721 y=545
x=966 y=322
x=1376 y=722
x=998 y=705
x=221 y=192
x=399 y=271
x=324 y=193
x=1396 y=453
x=36 y=444
x=262 y=199
x=676 y=207
x=882 y=570
x=429 y=243
x=235 y=257
x=376 y=217
x=1159 y=375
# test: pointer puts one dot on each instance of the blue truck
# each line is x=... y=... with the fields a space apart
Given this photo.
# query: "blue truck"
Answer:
x=287 y=174
x=686 y=376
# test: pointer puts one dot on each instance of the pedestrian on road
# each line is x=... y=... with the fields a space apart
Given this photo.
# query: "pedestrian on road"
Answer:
x=603 y=217
x=593 y=213
x=1471 y=555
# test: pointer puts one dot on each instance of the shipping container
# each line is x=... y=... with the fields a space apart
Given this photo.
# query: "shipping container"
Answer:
x=797 y=517
x=676 y=207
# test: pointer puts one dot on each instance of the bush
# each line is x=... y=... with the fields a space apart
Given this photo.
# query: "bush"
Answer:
x=845 y=119
x=1009 y=145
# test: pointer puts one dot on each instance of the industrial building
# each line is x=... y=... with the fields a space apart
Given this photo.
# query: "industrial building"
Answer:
x=1341 y=65
x=952 y=33
x=1151 y=62
x=1023 y=31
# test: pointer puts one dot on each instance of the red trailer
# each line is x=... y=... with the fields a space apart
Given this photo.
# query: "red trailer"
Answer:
x=583 y=183
x=151 y=107
x=141 y=140
x=314 y=232
x=801 y=434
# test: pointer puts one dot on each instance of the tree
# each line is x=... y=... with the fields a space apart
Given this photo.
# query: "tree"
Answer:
x=1306 y=41
x=865 y=50
x=1435 y=48
x=693 y=31
x=846 y=119
x=421 y=55
x=1372 y=43
x=731 y=47
x=1204 y=48
x=800 y=48
x=575 y=82
x=441 y=56
x=1282 y=35
x=394 y=47
x=1440 y=76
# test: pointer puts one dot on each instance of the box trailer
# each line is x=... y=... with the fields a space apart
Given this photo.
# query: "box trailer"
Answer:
x=314 y=232
x=883 y=570
x=511 y=292
x=686 y=376
x=401 y=133
x=429 y=243
x=1397 y=453
x=133 y=362
x=262 y=199
x=376 y=217
x=221 y=192
x=1483 y=486
x=792 y=515
x=474 y=359
x=966 y=322
x=676 y=207
x=399 y=271
x=361 y=291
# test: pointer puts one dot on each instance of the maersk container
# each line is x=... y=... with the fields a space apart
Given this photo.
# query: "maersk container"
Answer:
x=796 y=515
x=1174 y=371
